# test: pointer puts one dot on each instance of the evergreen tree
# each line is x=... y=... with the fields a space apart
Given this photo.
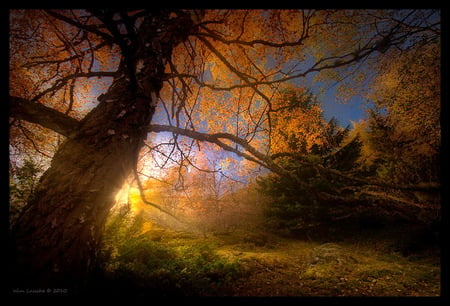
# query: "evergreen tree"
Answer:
x=301 y=200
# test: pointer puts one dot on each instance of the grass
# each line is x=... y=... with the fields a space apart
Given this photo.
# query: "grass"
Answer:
x=305 y=268
x=174 y=264
x=255 y=263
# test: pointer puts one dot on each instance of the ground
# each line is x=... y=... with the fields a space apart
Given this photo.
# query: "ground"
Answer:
x=270 y=265
x=296 y=268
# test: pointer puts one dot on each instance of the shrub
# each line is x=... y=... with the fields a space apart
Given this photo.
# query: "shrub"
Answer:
x=139 y=265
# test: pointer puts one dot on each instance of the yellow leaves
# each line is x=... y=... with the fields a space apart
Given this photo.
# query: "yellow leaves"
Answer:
x=219 y=72
x=225 y=163
x=247 y=43
x=408 y=87
x=369 y=153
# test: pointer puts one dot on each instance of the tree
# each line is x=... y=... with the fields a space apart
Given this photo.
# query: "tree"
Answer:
x=297 y=124
x=22 y=182
x=310 y=197
x=96 y=77
x=74 y=196
x=405 y=128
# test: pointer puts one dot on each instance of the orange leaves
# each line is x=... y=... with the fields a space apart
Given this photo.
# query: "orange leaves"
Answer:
x=29 y=137
x=233 y=65
x=50 y=62
x=225 y=77
x=297 y=123
x=409 y=89
x=46 y=53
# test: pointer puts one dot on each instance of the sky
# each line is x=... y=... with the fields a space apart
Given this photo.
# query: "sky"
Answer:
x=352 y=110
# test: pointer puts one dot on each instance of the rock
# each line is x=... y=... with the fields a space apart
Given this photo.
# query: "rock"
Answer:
x=330 y=253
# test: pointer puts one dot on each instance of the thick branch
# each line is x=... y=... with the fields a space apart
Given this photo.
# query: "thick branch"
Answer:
x=251 y=43
x=215 y=138
x=419 y=187
x=45 y=116
x=400 y=200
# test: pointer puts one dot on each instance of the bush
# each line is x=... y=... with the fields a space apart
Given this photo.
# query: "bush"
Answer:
x=136 y=264
x=22 y=184
x=146 y=267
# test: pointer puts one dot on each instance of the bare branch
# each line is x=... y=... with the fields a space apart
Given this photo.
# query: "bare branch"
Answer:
x=143 y=198
x=89 y=28
x=25 y=132
x=63 y=81
x=68 y=59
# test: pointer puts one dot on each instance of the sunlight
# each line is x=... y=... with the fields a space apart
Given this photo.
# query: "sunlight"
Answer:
x=121 y=197
x=129 y=195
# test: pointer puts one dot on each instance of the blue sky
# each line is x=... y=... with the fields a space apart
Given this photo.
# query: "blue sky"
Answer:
x=352 y=110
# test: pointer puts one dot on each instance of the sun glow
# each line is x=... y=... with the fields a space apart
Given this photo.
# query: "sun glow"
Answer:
x=129 y=195
x=122 y=195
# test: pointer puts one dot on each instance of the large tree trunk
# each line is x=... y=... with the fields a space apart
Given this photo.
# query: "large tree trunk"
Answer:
x=58 y=233
x=56 y=238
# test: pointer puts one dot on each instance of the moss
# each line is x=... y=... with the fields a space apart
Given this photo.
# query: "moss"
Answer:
x=260 y=264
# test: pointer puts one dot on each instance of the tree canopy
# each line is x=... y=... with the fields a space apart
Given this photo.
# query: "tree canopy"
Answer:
x=228 y=68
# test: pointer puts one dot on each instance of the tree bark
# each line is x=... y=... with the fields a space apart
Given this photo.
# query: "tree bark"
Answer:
x=57 y=236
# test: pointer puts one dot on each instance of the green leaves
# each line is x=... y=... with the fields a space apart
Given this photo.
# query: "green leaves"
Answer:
x=22 y=184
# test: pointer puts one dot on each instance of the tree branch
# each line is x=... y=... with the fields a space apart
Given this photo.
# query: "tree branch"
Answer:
x=89 y=28
x=251 y=43
x=25 y=132
x=268 y=161
x=47 y=117
x=60 y=83
x=68 y=59
x=144 y=199
x=240 y=74
x=255 y=155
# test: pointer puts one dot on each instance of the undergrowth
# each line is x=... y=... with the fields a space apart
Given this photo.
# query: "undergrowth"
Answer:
x=141 y=259
x=134 y=263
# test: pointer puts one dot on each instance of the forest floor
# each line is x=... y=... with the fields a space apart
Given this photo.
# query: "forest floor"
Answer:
x=359 y=266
